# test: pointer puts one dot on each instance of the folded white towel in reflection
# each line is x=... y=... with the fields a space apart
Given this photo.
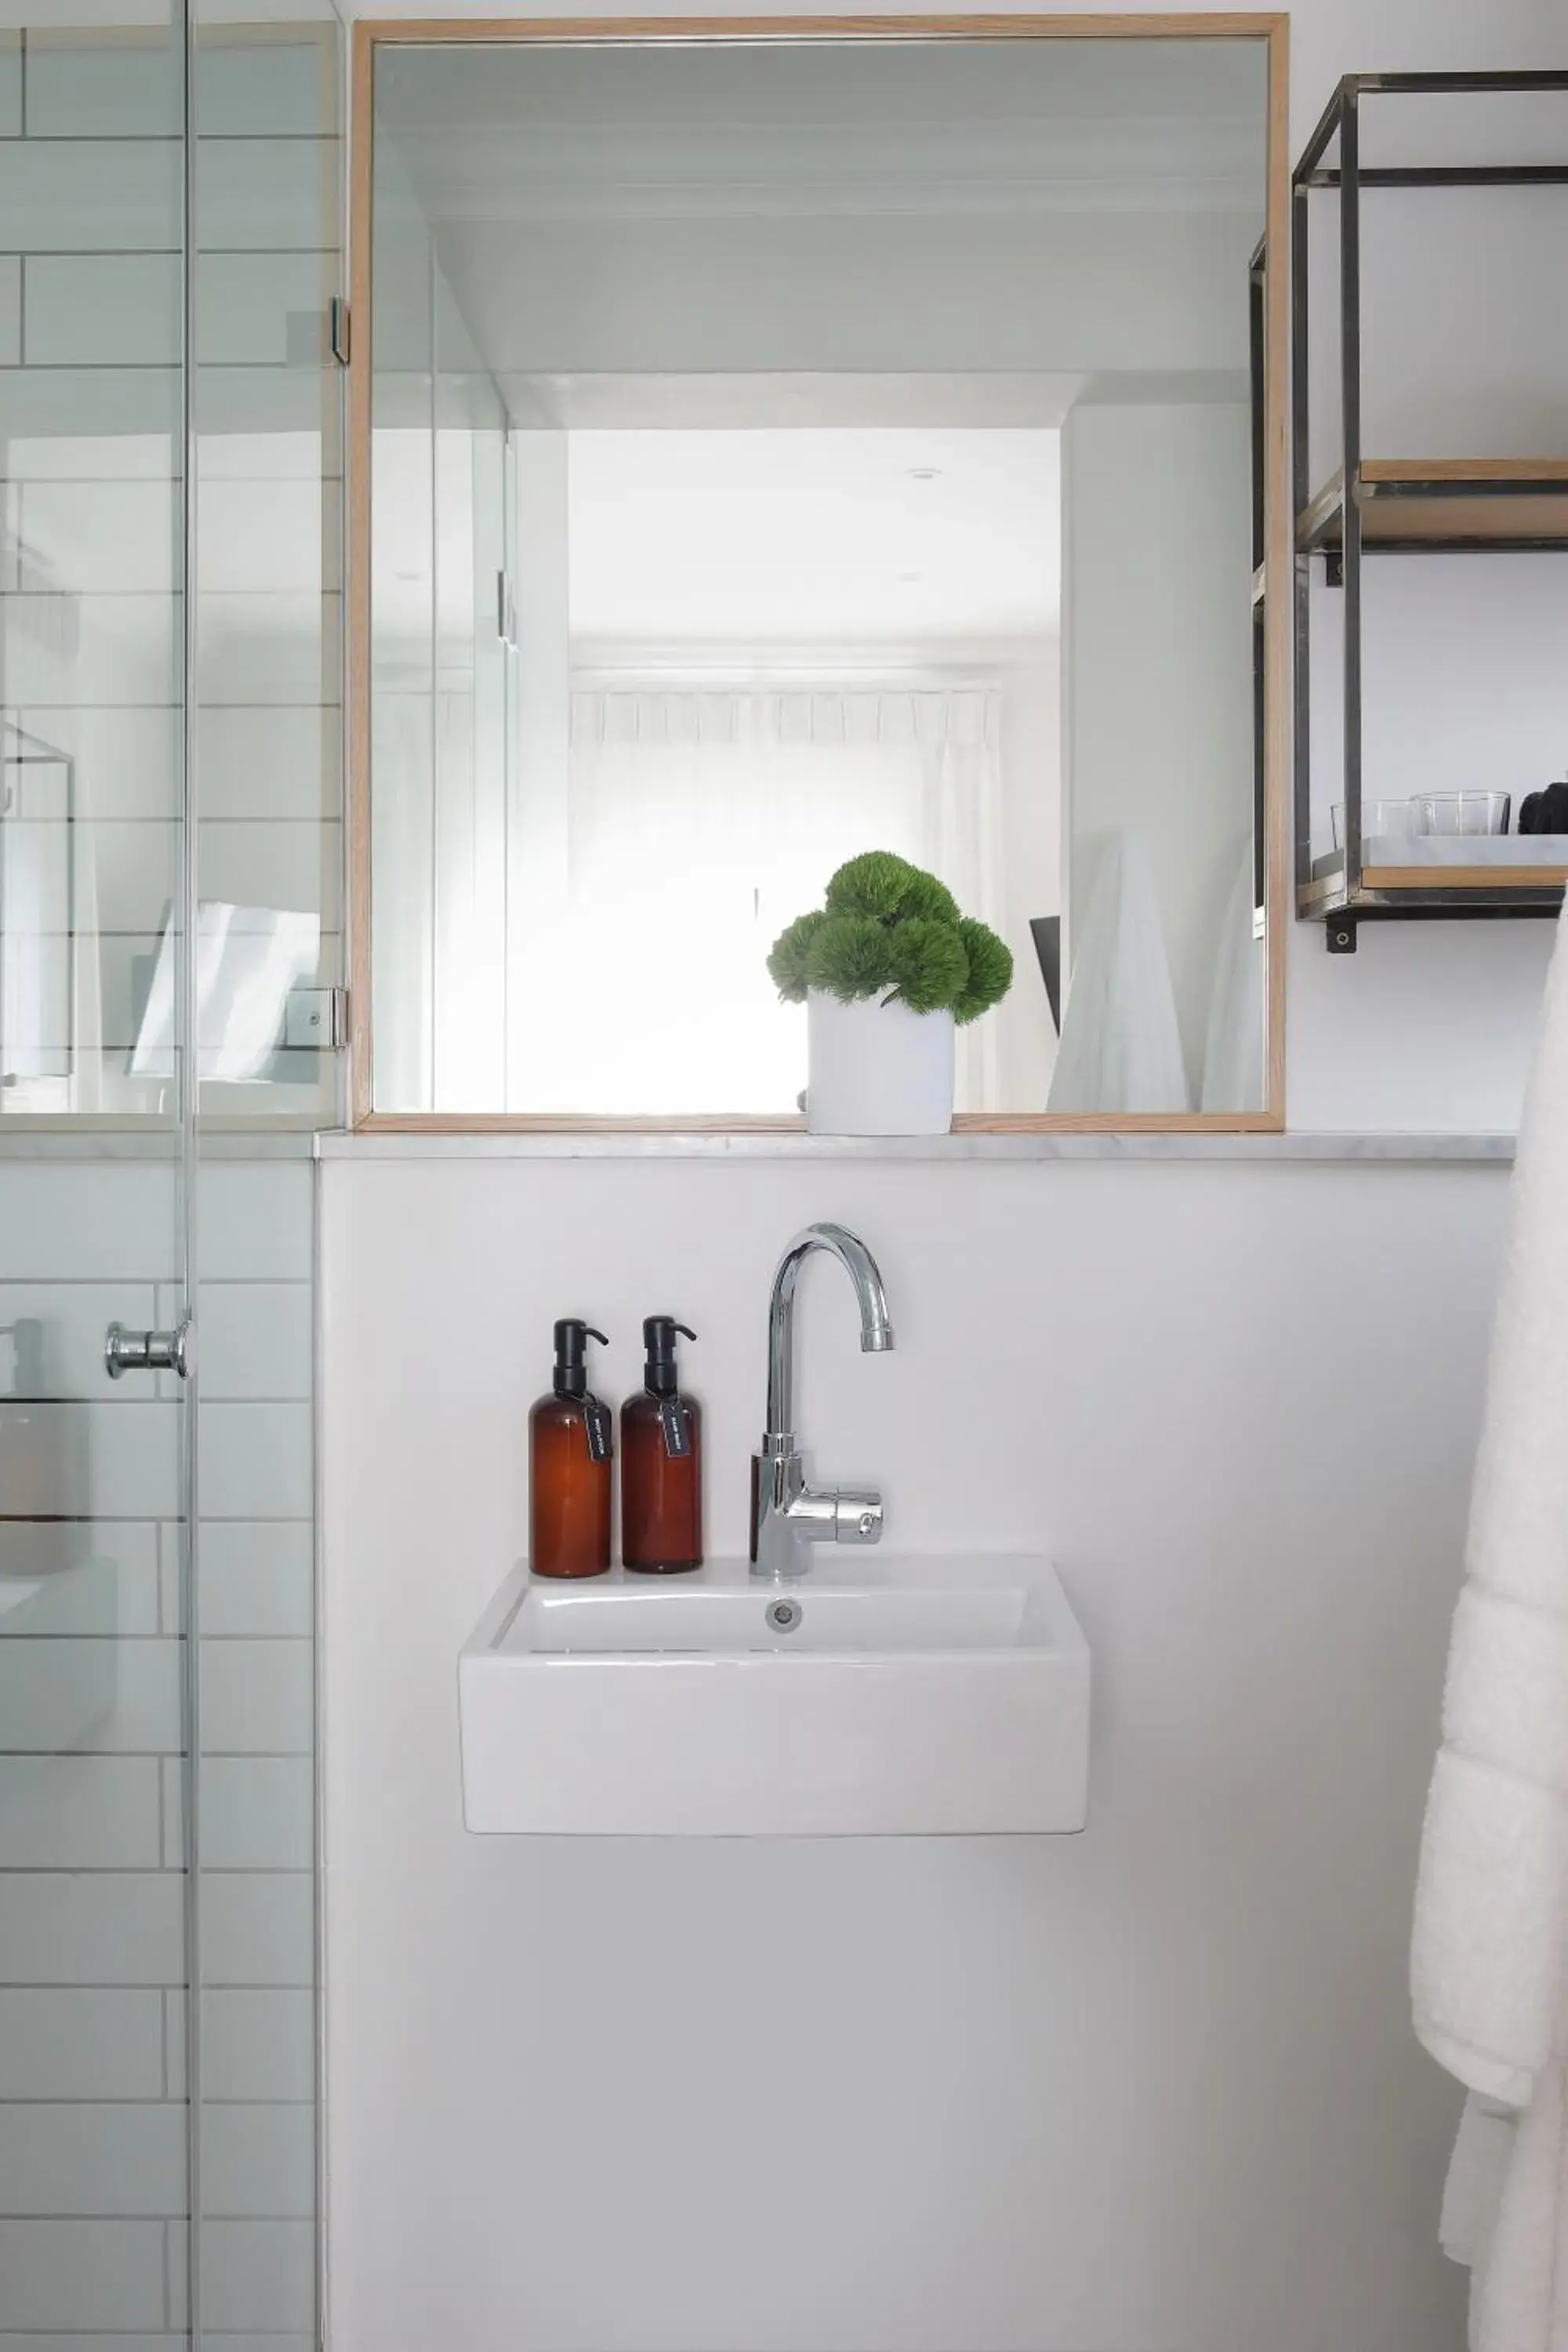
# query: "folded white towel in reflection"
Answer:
x=1121 y=1044
x=1489 y=1956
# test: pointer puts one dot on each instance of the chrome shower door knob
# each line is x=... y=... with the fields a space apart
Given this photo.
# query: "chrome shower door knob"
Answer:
x=147 y=1351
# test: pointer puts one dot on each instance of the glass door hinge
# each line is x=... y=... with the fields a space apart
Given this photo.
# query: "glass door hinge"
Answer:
x=338 y=330
x=506 y=612
x=316 y=1020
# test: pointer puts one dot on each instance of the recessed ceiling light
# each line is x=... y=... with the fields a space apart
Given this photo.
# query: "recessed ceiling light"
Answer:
x=924 y=473
x=909 y=579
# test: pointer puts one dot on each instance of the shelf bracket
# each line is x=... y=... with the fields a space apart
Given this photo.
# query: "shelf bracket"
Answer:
x=1339 y=933
x=1333 y=567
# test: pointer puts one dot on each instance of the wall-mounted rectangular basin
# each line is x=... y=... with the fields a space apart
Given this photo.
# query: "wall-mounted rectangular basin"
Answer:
x=906 y=1697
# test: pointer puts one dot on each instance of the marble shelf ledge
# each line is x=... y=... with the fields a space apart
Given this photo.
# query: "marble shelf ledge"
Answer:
x=94 y=1138
x=1300 y=1145
x=59 y=1142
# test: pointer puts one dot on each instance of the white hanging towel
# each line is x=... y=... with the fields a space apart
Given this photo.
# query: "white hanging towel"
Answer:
x=1489 y=1957
x=1120 y=1045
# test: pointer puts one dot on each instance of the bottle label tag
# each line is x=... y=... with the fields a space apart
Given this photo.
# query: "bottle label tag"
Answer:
x=677 y=1427
x=597 y=1422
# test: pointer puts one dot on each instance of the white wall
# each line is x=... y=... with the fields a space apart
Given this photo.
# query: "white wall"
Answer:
x=1151 y=2090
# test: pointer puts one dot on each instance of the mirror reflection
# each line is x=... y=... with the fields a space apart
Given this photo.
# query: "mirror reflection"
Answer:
x=782 y=454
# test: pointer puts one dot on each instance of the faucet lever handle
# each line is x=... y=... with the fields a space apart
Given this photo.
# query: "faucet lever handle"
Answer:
x=857 y=1516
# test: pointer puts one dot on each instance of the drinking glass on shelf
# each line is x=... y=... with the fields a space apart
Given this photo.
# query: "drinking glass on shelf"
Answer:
x=1378 y=819
x=1462 y=812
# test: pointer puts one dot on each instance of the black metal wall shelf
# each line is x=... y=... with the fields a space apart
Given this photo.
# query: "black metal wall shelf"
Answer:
x=1399 y=506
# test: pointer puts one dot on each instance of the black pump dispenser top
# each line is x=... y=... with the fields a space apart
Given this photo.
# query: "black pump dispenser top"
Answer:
x=571 y=1336
x=659 y=1376
x=660 y=1379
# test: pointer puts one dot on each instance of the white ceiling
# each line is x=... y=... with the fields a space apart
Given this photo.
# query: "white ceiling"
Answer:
x=800 y=397
x=813 y=539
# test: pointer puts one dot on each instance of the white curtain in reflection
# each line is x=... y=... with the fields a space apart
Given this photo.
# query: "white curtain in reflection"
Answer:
x=1121 y=1042
x=1233 y=1044
x=701 y=821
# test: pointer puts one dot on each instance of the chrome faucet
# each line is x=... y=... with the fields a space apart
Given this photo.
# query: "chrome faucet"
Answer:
x=788 y=1516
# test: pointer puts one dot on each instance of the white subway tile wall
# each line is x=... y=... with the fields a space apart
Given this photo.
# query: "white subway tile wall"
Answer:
x=94 y=2199
x=259 y=2155
x=104 y=89
x=91 y=529
x=99 y=2275
x=257 y=1789
x=92 y=2144
x=92 y=1959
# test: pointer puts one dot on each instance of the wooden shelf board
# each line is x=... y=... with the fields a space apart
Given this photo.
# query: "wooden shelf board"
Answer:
x=1464 y=878
x=1516 y=498
x=1464 y=469
x=1430 y=886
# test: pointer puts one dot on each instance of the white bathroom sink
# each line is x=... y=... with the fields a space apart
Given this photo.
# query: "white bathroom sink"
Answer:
x=907 y=1696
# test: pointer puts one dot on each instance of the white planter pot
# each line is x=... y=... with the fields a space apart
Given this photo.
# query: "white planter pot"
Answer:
x=876 y=1069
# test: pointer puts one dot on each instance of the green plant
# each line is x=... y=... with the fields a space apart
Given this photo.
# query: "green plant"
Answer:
x=849 y=957
x=990 y=973
x=889 y=929
x=930 y=963
x=787 y=957
x=889 y=887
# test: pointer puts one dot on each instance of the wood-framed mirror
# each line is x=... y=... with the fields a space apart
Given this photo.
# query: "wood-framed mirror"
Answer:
x=774 y=440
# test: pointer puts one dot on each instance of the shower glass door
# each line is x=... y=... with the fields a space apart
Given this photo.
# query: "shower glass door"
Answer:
x=96 y=1140
x=169 y=859
x=266 y=160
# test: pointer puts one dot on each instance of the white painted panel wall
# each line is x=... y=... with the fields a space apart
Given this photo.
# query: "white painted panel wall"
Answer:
x=1150 y=2090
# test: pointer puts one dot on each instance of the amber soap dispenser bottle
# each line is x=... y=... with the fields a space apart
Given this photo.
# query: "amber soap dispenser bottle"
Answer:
x=569 y=1448
x=661 y=1462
